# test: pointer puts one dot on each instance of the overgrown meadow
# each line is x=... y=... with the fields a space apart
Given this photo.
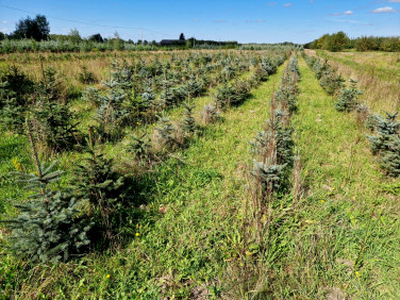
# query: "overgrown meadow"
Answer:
x=232 y=174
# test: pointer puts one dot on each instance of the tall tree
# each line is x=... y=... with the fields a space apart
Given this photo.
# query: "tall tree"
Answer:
x=37 y=28
x=182 y=37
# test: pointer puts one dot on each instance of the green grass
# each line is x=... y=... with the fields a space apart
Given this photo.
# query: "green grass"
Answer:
x=377 y=74
x=339 y=240
x=187 y=225
x=348 y=227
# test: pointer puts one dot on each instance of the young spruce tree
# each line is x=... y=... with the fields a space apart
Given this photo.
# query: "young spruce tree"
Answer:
x=48 y=227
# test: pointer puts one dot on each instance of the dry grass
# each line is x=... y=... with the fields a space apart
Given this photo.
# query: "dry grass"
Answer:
x=377 y=74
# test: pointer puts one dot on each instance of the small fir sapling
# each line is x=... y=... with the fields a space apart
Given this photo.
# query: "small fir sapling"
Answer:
x=54 y=123
x=386 y=129
x=165 y=132
x=49 y=227
x=103 y=189
x=188 y=123
x=347 y=101
x=92 y=95
x=86 y=76
x=210 y=114
x=270 y=177
x=49 y=87
x=11 y=114
x=390 y=159
x=141 y=148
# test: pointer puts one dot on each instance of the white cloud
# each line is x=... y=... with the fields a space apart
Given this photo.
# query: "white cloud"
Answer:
x=348 y=12
x=393 y=1
x=4 y=22
x=386 y=9
x=287 y=4
x=272 y=4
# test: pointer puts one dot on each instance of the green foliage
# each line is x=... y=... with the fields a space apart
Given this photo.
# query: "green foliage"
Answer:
x=86 y=76
x=188 y=123
x=387 y=129
x=165 y=132
x=141 y=148
x=339 y=41
x=390 y=160
x=18 y=83
x=274 y=147
x=92 y=95
x=231 y=94
x=348 y=98
x=55 y=126
x=270 y=176
x=48 y=227
x=332 y=83
x=11 y=114
x=15 y=97
x=37 y=28
x=268 y=68
x=284 y=141
x=105 y=191
x=387 y=143
x=97 y=38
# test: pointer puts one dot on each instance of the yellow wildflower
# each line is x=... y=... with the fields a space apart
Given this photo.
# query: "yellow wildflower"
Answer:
x=137 y=234
x=322 y=201
x=16 y=164
x=108 y=276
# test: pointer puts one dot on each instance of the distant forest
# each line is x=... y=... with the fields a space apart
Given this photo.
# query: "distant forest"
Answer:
x=340 y=41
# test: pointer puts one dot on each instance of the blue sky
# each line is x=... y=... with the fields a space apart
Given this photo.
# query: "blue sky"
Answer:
x=245 y=21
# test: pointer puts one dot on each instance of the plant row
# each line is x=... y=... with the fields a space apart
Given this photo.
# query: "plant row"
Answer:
x=385 y=141
x=269 y=186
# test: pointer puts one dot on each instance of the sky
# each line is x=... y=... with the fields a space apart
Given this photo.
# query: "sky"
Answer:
x=269 y=21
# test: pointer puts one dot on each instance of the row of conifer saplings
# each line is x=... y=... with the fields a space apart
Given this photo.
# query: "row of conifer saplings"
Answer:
x=59 y=223
x=385 y=140
x=270 y=183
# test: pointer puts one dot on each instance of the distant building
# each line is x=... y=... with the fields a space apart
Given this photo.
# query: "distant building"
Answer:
x=180 y=42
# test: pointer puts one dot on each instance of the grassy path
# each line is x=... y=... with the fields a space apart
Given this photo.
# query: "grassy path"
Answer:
x=346 y=243
x=188 y=229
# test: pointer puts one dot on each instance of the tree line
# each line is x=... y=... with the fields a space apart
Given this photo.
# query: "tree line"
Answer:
x=340 y=41
x=32 y=34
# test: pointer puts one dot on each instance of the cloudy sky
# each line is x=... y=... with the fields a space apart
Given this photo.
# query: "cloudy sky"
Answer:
x=245 y=21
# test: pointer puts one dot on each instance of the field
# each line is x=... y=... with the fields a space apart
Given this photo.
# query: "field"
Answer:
x=226 y=174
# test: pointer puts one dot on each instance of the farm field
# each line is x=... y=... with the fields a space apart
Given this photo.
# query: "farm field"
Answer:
x=199 y=175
